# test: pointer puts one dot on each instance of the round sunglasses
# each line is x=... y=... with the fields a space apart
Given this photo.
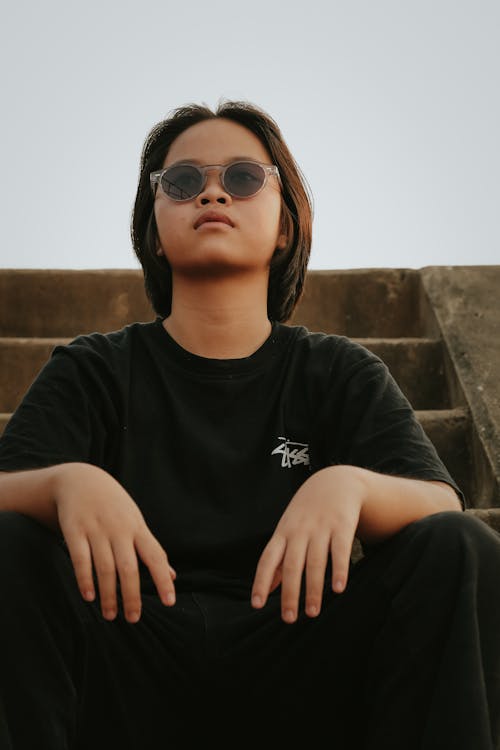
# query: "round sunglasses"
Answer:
x=241 y=179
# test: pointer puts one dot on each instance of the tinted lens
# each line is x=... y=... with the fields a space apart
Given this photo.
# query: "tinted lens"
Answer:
x=182 y=182
x=244 y=179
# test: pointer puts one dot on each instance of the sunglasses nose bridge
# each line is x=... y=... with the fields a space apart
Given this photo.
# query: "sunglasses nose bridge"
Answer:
x=216 y=179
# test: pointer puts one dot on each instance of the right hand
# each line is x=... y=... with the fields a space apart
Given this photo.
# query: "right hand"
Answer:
x=100 y=522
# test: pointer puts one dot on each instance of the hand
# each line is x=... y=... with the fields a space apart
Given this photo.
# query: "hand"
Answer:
x=320 y=520
x=100 y=522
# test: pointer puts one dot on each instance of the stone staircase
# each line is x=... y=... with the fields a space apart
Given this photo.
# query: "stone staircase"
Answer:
x=410 y=318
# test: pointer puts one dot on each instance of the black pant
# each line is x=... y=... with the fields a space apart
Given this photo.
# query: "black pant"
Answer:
x=407 y=658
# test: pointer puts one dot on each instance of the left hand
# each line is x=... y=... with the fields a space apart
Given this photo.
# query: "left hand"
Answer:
x=320 y=520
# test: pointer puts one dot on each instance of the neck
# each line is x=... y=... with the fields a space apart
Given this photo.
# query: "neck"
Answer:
x=219 y=318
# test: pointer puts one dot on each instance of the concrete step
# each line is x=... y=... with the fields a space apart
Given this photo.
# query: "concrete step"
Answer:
x=387 y=303
x=466 y=305
x=377 y=302
x=450 y=432
x=66 y=303
x=416 y=364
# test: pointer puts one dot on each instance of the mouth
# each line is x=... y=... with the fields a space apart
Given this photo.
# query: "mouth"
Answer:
x=212 y=217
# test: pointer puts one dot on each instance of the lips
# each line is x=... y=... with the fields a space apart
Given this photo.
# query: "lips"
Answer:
x=212 y=216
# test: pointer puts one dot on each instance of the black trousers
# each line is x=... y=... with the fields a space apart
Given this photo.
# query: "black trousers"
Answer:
x=407 y=658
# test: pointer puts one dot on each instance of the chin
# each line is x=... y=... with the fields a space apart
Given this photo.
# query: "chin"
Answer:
x=217 y=264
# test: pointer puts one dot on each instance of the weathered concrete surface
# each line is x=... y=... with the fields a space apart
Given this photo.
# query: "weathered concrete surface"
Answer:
x=449 y=430
x=67 y=303
x=466 y=303
x=371 y=302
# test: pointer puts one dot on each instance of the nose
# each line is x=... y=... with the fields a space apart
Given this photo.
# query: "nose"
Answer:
x=214 y=191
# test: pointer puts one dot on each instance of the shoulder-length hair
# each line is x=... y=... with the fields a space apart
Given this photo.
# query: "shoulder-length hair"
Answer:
x=288 y=266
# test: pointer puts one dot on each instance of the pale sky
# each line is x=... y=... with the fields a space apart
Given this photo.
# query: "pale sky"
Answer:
x=391 y=109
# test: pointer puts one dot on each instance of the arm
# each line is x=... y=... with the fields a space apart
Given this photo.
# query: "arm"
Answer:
x=389 y=503
x=31 y=492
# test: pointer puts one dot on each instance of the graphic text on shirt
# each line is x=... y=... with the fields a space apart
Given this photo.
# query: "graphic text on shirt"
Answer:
x=292 y=453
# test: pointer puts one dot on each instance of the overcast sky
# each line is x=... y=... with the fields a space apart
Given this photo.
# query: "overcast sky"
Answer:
x=391 y=109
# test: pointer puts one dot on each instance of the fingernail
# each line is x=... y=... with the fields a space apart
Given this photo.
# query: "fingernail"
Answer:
x=289 y=615
x=89 y=595
x=170 y=598
x=256 y=601
x=133 y=616
x=338 y=586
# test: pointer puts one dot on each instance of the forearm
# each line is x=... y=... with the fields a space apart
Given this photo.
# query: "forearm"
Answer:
x=389 y=503
x=31 y=492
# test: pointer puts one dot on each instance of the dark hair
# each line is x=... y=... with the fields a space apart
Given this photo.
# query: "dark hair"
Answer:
x=288 y=266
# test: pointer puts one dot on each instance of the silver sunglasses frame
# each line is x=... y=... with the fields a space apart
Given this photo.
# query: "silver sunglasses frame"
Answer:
x=156 y=177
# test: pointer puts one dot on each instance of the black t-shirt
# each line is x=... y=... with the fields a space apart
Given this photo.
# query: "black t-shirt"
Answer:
x=213 y=450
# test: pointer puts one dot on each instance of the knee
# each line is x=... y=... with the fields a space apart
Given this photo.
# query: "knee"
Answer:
x=25 y=543
x=456 y=523
x=20 y=528
x=441 y=552
x=457 y=533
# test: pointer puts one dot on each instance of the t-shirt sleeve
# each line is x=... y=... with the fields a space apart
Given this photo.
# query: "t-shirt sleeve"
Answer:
x=373 y=425
x=66 y=415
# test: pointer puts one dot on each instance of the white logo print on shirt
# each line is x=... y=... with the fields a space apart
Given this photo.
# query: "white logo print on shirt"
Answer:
x=292 y=453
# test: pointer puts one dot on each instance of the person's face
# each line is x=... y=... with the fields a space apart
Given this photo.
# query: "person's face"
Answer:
x=214 y=247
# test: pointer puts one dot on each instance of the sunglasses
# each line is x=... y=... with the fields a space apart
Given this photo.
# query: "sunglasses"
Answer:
x=241 y=179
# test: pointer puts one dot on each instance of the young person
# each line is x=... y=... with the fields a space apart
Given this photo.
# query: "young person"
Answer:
x=180 y=498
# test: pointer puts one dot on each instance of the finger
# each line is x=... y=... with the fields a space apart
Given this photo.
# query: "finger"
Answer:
x=81 y=558
x=316 y=561
x=155 y=558
x=130 y=585
x=341 y=548
x=104 y=563
x=292 y=570
x=266 y=571
x=276 y=579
